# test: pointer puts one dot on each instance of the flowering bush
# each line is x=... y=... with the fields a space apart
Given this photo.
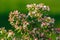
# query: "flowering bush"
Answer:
x=36 y=25
x=4 y=35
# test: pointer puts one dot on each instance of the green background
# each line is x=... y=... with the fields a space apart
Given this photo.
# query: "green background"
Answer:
x=10 y=5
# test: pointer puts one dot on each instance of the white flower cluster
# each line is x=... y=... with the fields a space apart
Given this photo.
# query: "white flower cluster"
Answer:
x=33 y=24
x=32 y=7
x=35 y=9
x=18 y=20
x=47 y=21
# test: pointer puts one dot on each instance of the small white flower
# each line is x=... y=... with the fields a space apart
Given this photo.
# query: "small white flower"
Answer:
x=42 y=34
x=36 y=39
x=29 y=6
x=48 y=24
x=33 y=12
x=34 y=4
x=25 y=23
x=16 y=12
x=36 y=8
x=1 y=32
x=52 y=29
x=14 y=38
x=44 y=7
x=24 y=26
x=35 y=29
x=40 y=5
x=48 y=9
x=10 y=33
x=2 y=39
x=52 y=20
x=48 y=17
x=43 y=24
x=29 y=13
